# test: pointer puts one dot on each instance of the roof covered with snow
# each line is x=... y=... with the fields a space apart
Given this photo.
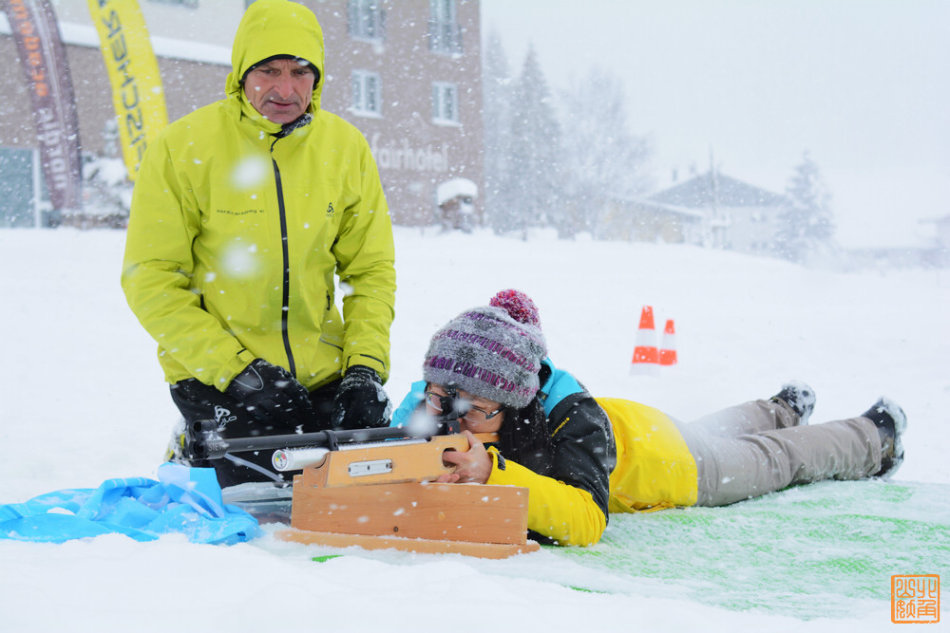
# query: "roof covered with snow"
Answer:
x=705 y=190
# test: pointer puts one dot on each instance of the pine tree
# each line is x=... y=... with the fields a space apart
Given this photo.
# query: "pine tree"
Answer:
x=603 y=159
x=806 y=224
x=533 y=176
x=496 y=118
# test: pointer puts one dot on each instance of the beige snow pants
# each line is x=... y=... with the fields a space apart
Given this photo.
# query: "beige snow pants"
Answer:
x=758 y=447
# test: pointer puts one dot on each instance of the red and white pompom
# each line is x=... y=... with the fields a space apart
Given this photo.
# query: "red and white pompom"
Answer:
x=518 y=305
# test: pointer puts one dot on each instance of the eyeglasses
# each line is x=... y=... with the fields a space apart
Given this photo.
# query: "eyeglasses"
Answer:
x=459 y=407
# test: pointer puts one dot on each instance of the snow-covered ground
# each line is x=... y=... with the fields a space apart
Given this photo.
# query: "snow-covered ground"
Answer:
x=82 y=400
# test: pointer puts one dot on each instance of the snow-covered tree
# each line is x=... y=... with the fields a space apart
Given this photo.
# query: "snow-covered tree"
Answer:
x=806 y=224
x=602 y=158
x=533 y=172
x=496 y=118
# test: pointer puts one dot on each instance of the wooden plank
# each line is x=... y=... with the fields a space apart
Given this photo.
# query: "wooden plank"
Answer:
x=424 y=546
x=454 y=512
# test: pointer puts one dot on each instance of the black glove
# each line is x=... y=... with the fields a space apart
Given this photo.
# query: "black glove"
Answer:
x=271 y=394
x=360 y=401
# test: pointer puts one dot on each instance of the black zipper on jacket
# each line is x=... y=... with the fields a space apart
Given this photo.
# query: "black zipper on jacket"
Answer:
x=285 y=300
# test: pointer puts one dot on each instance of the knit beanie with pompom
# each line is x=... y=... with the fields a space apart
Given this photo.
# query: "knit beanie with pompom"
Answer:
x=493 y=352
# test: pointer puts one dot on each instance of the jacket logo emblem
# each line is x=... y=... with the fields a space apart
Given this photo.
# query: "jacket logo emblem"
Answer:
x=223 y=416
x=330 y=210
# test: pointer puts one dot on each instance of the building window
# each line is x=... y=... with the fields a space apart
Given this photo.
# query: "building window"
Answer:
x=445 y=103
x=445 y=34
x=366 y=19
x=367 y=93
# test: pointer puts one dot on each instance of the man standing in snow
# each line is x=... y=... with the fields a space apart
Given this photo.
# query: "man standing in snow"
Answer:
x=242 y=213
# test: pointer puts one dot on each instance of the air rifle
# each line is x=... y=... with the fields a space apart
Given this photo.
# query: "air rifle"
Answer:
x=202 y=440
x=388 y=454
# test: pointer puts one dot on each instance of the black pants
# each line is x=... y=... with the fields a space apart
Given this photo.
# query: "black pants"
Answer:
x=197 y=401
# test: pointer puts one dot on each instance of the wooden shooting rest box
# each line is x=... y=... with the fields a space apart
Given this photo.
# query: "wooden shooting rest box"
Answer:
x=386 y=497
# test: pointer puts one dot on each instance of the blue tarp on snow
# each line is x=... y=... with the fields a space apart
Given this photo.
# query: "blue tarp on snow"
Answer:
x=184 y=500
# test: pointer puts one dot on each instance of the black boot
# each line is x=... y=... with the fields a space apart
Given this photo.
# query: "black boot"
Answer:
x=799 y=396
x=891 y=422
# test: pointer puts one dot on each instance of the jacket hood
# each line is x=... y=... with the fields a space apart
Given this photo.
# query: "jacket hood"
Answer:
x=276 y=27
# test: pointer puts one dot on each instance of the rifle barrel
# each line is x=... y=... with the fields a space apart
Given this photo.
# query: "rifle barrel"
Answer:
x=217 y=447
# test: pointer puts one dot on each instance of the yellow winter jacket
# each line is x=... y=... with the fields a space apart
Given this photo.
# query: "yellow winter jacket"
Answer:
x=236 y=232
x=654 y=469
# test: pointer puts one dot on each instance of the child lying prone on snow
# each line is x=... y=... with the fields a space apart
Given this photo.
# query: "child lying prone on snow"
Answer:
x=582 y=457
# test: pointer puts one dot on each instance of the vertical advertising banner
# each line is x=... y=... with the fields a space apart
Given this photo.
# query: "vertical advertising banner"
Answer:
x=43 y=59
x=137 y=93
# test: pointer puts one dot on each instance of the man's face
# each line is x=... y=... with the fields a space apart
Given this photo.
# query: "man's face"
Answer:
x=280 y=89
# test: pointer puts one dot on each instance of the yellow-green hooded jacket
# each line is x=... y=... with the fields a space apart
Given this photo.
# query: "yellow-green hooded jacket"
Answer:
x=236 y=232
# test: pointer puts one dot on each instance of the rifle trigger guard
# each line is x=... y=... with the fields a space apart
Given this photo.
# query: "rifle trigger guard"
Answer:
x=332 y=443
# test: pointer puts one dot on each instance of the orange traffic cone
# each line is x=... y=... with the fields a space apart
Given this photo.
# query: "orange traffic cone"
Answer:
x=646 y=356
x=668 y=349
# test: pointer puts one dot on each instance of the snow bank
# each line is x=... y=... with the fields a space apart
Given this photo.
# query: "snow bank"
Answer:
x=83 y=401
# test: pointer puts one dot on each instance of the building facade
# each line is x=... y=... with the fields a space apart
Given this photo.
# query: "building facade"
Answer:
x=407 y=73
x=640 y=220
x=736 y=215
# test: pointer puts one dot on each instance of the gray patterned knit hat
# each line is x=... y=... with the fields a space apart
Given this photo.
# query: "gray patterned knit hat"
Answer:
x=489 y=354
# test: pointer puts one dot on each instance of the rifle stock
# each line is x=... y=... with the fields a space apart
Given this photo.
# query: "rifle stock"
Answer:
x=417 y=460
